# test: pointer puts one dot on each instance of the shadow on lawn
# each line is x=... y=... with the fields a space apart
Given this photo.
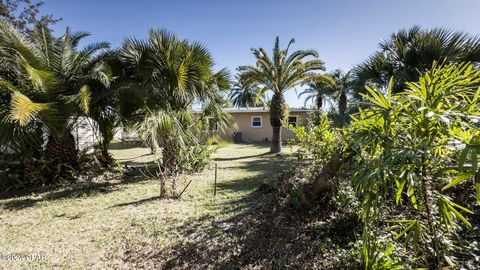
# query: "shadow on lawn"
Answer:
x=257 y=234
x=269 y=166
x=139 y=202
x=252 y=233
x=78 y=190
x=241 y=157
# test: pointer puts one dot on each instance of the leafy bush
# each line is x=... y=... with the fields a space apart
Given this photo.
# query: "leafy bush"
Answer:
x=411 y=160
x=412 y=149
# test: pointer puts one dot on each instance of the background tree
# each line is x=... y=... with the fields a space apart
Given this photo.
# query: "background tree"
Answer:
x=408 y=53
x=316 y=93
x=280 y=73
x=24 y=14
x=246 y=95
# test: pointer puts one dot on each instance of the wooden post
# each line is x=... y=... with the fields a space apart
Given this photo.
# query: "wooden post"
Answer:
x=215 y=184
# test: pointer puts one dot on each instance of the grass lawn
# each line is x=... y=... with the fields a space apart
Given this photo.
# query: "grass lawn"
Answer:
x=121 y=224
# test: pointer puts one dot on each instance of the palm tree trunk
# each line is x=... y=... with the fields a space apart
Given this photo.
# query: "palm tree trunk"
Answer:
x=342 y=103
x=278 y=112
x=276 y=146
x=61 y=154
x=319 y=102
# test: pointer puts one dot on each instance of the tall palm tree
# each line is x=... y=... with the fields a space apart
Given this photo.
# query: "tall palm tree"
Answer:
x=408 y=53
x=280 y=73
x=47 y=85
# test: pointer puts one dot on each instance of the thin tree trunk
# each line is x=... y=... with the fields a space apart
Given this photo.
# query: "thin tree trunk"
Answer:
x=276 y=146
x=427 y=190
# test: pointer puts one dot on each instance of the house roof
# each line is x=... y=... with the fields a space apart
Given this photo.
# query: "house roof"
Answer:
x=253 y=110
x=261 y=109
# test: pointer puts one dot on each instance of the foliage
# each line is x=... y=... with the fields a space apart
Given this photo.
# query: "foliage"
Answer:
x=169 y=75
x=246 y=95
x=412 y=148
x=23 y=14
x=317 y=141
x=45 y=87
x=410 y=52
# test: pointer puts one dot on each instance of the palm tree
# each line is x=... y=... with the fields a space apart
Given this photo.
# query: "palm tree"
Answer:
x=343 y=87
x=171 y=75
x=47 y=85
x=245 y=95
x=408 y=53
x=316 y=93
x=279 y=73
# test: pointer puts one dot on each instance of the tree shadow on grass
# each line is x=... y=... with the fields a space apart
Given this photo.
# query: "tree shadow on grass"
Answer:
x=269 y=167
x=78 y=190
x=139 y=202
x=125 y=145
x=252 y=232
x=241 y=157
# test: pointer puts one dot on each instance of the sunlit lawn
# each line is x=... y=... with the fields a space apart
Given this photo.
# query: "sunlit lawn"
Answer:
x=97 y=226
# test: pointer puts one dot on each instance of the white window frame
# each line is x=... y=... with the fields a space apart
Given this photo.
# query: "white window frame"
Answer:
x=296 y=120
x=261 y=121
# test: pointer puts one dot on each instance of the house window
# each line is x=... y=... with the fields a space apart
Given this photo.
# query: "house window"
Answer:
x=212 y=125
x=256 y=121
x=292 y=120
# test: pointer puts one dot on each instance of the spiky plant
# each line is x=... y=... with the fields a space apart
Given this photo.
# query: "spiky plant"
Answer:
x=279 y=73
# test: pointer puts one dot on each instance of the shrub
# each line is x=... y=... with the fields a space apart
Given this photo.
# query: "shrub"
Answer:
x=411 y=149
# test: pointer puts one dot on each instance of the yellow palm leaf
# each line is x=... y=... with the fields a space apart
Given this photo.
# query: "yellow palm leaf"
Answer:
x=23 y=110
x=41 y=79
x=83 y=97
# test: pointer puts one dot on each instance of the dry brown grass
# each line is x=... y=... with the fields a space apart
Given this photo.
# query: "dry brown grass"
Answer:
x=119 y=224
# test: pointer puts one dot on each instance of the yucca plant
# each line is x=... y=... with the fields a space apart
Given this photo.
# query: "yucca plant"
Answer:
x=278 y=73
x=410 y=155
x=46 y=84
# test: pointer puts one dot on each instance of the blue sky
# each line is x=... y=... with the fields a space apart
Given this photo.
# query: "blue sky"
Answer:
x=344 y=32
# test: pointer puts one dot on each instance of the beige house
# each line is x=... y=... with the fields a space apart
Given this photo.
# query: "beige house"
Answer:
x=254 y=124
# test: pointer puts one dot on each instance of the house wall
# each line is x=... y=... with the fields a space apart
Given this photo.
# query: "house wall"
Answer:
x=252 y=134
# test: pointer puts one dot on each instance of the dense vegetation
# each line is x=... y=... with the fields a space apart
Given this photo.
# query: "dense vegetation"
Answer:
x=396 y=155
x=411 y=158
x=48 y=83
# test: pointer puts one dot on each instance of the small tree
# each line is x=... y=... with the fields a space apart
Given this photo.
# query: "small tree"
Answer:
x=409 y=157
